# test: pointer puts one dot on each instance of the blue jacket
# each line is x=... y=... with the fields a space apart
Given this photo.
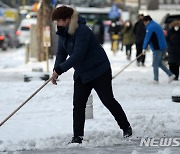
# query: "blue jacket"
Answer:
x=155 y=37
x=79 y=48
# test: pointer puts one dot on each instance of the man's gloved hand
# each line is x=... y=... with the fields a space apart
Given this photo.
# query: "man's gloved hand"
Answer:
x=54 y=78
x=144 y=52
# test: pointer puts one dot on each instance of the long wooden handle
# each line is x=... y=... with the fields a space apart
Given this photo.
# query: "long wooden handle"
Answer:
x=25 y=102
x=127 y=65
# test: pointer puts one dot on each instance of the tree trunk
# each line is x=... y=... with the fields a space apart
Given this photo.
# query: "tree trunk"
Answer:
x=43 y=20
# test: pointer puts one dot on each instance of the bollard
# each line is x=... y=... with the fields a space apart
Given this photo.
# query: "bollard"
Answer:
x=89 y=108
x=176 y=95
x=27 y=53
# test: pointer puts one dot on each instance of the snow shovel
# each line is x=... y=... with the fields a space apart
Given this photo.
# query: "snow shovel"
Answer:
x=25 y=101
x=127 y=65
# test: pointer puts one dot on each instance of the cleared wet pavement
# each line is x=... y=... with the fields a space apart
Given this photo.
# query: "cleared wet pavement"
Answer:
x=105 y=150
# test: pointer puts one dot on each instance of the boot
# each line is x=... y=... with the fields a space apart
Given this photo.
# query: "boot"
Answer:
x=77 y=139
x=127 y=132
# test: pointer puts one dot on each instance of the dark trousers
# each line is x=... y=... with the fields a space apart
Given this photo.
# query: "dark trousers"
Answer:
x=174 y=68
x=139 y=51
x=103 y=86
x=128 y=50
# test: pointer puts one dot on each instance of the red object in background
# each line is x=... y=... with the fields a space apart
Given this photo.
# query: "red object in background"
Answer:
x=165 y=32
x=1 y=37
x=18 y=32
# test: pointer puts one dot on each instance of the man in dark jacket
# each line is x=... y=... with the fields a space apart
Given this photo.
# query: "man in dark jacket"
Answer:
x=173 y=40
x=92 y=69
x=155 y=37
x=139 y=32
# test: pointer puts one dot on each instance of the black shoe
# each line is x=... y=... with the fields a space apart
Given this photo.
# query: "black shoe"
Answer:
x=127 y=132
x=77 y=139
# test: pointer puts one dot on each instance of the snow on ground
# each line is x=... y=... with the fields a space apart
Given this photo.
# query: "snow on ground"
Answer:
x=45 y=122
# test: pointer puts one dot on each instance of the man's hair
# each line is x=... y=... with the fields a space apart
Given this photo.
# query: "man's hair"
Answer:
x=62 y=12
x=147 y=18
x=141 y=15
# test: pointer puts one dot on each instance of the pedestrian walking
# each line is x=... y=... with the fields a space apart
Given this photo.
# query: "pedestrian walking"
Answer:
x=155 y=37
x=78 y=48
x=114 y=30
x=139 y=32
x=128 y=37
x=173 y=40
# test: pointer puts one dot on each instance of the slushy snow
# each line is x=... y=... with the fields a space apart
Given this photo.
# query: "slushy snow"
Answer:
x=45 y=122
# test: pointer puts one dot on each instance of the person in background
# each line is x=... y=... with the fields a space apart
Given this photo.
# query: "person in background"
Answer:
x=155 y=37
x=78 y=48
x=121 y=35
x=114 y=28
x=98 y=30
x=139 y=32
x=173 y=40
x=128 y=37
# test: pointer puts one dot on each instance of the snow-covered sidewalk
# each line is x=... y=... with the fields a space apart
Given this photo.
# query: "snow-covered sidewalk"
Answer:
x=46 y=121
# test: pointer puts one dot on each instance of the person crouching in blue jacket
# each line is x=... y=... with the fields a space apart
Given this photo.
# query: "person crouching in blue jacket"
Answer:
x=155 y=37
x=78 y=48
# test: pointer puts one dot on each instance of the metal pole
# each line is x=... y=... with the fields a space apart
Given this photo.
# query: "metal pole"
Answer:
x=139 y=5
x=27 y=53
x=47 y=58
x=25 y=102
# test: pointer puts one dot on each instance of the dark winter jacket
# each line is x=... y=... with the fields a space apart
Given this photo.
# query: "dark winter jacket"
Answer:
x=173 y=40
x=114 y=28
x=128 y=35
x=139 y=31
x=155 y=37
x=86 y=55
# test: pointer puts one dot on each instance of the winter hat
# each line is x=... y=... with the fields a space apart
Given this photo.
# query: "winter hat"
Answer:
x=62 y=12
x=174 y=23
